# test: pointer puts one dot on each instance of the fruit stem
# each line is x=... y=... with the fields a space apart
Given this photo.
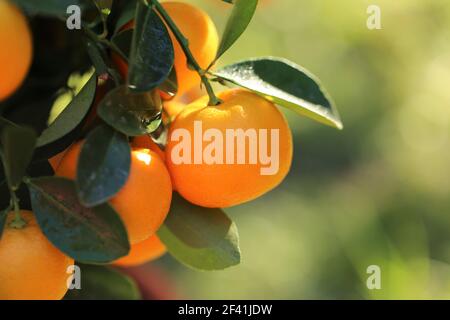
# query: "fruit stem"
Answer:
x=18 y=222
x=184 y=43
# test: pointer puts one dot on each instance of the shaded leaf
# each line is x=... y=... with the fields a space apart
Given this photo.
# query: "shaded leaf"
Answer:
x=72 y=115
x=17 y=147
x=122 y=40
x=152 y=53
x=96 y=56
x=94 y=235
x=104 y=283
x=241 y=15
x=201 y=238
x=103 y=166
x=133 y=114
x=285 y=83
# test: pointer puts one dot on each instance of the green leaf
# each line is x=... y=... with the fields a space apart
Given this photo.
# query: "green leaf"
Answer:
x=103 y=166
x=133 y=114
x=286 y=84
x=56 y=8
x=201 y=238
x=152 y=53
x=104 y=283
x=241 y=15
x=72 y=115
x=92 y=235
x=17 y=147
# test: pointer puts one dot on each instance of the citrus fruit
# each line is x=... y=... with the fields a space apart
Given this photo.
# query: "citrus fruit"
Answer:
x=31 y=267
x=203 y=39
x=144 y=200
x=211 y=167
x=142 y=252
x=145 y=142
x=17 y=48
x=199 y=29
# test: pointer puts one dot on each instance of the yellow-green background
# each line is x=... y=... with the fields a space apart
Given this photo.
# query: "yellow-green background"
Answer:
x=377 y=192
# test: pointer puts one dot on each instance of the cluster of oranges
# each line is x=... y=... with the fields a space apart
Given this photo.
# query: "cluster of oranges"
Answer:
x=144 y=201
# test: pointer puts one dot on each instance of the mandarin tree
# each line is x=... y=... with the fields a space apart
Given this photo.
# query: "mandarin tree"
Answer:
x=131 y=150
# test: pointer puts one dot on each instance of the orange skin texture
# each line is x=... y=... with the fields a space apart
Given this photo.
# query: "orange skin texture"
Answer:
x=142 y=252
x=203 y=38
x=193 y=94
x=145 y=142
x=144 y=200
x=173 y=108
x=31 y=267
x=17 y=48
x=226 y=185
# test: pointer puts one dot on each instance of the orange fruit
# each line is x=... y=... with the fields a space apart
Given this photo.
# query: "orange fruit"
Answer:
x=193 y=94
x=145 y=142
x=31 y=268
x=199 y=29
x=17 y=48
x=173 y=108
x=144 y=200
x=203 y=38
x=214 y=180
x=142 y=252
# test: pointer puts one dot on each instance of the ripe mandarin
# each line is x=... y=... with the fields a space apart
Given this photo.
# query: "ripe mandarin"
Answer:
x=142 y=252
x=220 y=183
x=31 y=268
x=144 y=200
x=17 y=48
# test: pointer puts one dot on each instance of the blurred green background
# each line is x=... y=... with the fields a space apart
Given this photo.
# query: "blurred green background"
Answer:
x=377 y=193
